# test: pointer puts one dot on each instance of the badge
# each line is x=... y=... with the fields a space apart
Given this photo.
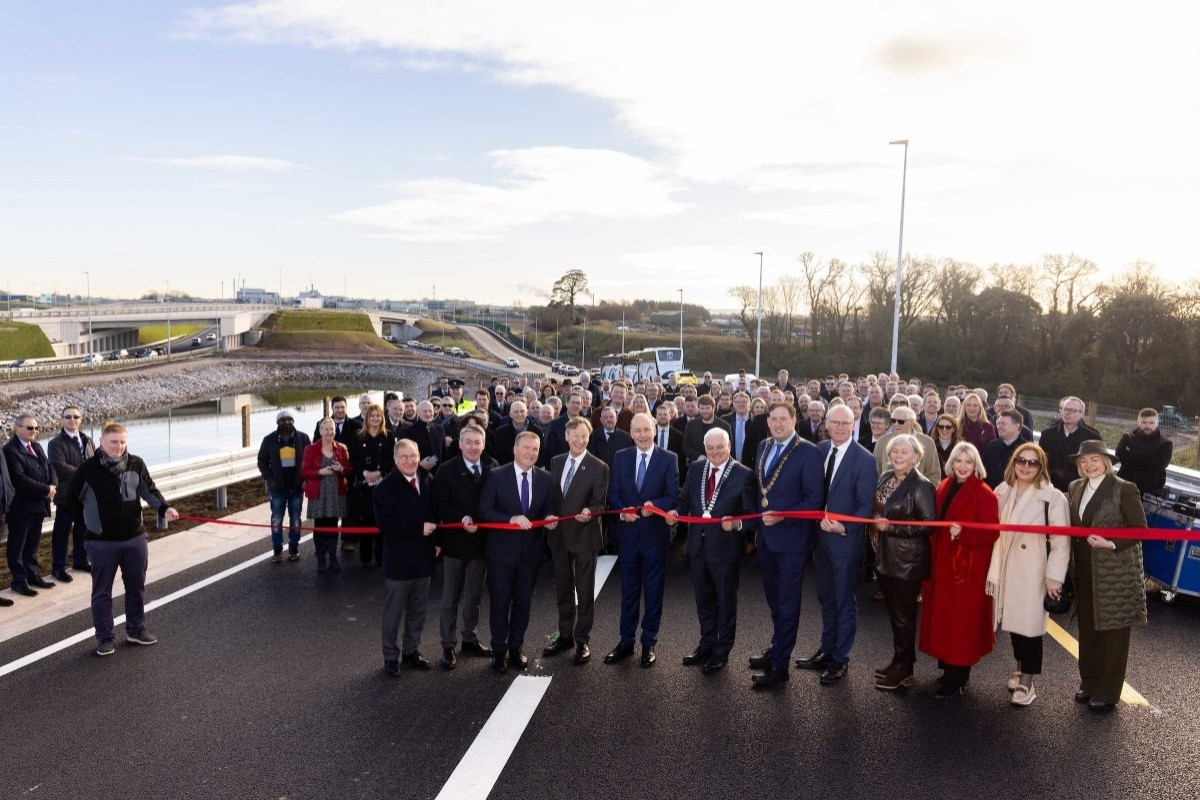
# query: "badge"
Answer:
x=764 y=504
x=707 y=515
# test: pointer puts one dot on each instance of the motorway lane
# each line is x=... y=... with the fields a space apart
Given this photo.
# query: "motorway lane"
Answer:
x=268 y=685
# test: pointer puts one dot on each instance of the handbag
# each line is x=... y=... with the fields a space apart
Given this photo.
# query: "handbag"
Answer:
x=1066 y=597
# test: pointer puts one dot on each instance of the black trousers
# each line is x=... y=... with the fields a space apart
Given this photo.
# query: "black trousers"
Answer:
x=574 y=577
x=510 y=589
x=1028 y=652
x=715 y=583
x=900 y=599
x=954 y=675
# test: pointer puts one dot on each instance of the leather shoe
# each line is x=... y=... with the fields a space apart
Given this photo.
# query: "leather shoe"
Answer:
x=415 y=660
x=714 y=664
x=834 y=672
x=499 y=663
x=41 y=583
x=1082 y=697
x=774 y=676
x=558 y=644
x=817 y=660
x=476 y=649
x=583 y=653
x=619 y=653
x=4 y=601
x=1100 y=705
x=62 y=575
x=391 y=668
x=25 y=590
x=762 y=660
x=697 y=657
x=448 y=660
x=82 y=567
x=648 y=657
x=519 y=660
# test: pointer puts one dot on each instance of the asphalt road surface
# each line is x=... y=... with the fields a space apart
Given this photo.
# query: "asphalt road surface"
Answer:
x=267 y=684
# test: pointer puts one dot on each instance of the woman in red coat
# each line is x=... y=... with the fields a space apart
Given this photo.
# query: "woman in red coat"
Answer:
x=956 y=619
x=324 y=468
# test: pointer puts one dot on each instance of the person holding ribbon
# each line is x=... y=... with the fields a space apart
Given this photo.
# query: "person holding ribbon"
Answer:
x=717 y=489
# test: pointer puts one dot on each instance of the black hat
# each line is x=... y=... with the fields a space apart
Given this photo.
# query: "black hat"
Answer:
x=1093 y=447
x=456 y=383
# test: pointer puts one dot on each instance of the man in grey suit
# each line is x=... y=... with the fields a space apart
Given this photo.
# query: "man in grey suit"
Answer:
x=582 y=481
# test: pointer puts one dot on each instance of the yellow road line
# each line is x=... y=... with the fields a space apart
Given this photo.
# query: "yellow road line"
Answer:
x=1129 y=695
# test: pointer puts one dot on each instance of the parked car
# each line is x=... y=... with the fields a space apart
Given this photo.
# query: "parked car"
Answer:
x=93 y=358
x=556 y=366
x=685 y=377
x=20 y=362
x=512 y=363
x=116 y=355
x=464 y=354
x=145 y=352
x=570 y=370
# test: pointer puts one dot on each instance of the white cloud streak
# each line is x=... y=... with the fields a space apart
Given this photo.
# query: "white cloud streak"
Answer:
x=229 y=163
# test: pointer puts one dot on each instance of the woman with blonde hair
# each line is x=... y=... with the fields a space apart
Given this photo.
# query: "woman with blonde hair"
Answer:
x=1026 y=567
x=973 y=422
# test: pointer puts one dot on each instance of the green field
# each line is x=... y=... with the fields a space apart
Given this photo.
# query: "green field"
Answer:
x=316 y=341
x=158 y=333
x=312 y=320
x=22 y=340
x=432 y=334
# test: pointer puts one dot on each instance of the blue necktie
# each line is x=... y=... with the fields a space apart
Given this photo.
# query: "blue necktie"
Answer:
x=774 y=458
x=570 y=475
x=525 y=493
x=739 y=438
x=641 y=472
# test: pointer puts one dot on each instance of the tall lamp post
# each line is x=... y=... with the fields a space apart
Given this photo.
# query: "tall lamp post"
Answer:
x=583 y=357
x=758 y=315
x=899 y=256
x=88 y=275
x=167 y=298
x=681 y=323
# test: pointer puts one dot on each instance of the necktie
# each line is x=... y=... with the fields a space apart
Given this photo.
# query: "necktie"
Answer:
x=475 y=469
x=29 y=447
x=829 y=468
x=662 y=438
x=641 y=472
x=774 y=458
x=82 y=450
x=524 y=492
x=711 y=486
x=739 y=438
x=413 y=481
x=569 y=476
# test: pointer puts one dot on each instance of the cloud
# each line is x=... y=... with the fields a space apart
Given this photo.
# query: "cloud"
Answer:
x=222 y=162
x=536 y=185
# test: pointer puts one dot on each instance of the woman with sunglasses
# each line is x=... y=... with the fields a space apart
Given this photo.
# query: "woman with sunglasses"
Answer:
x=1026 y=567
x=945 y=435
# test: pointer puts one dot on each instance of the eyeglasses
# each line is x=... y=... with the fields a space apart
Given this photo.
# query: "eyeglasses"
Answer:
x=31 y=427
x=899 y=403
x=1065 y=409
x=900 y=421
x=945 y=426
x=72 y=416
x=1021 y=461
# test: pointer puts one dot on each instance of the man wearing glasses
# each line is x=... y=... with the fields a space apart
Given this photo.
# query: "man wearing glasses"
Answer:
x=34 y=486
x=1061 y=440
x=67 y=451
x=904 y=420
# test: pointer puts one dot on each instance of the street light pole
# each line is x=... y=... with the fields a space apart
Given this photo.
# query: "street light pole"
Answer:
x=88 y=274
x=758 y=315
x=167 y=297
x=681 y=323
x=899 y=256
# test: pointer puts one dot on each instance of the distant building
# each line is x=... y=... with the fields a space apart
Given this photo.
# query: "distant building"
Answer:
x=257 y=297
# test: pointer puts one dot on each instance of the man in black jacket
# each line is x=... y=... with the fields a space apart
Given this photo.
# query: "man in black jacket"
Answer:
x=1061 y=440
x=501 y=444
x=1145 y=453
x=70 y=448
x=456 y=487
x=34 y=486
x=279 y=458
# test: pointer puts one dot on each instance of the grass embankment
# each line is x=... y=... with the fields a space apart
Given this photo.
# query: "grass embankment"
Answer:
x=313 y=331
x=22 y=340
x=310 y=320
x=432 y=333
x=157 y=333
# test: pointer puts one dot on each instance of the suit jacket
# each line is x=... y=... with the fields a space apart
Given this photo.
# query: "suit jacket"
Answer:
x=851 y=492
x=693 y=436
x=800 y=486
x=66 y=458
x=804 y=427
x=748 y=446
x=554 y=441
x=6 y=488
x=588 y=489
x=500 y=501
x=455 y=494
x=32 y=477
x=736 y=495
x=607 y=450
x=623 y=419
x=350 y=427
x=430 y=438
x=401 y=513
x=660 y=486
x=674 y=445
x=1059 y=448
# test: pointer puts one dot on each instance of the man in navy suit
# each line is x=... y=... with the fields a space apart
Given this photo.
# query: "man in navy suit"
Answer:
x=790 y=478
x=719 y=488
x=515 y=493
x=642 y=475
x=34 y=486
x=850 y=478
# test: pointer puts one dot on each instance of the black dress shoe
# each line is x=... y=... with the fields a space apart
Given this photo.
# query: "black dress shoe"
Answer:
x=1100 y=705
x=817 y=660
x=82 y=567
x=583 y=653
x=558 y=644
x=714 y=664
x=476 y=649
x=499 y=663
x=41 y=583
x=1082 y=697
x=762 y=660
x=648 y=657
x=697 y=657
x=25 y=590
x=834 y=672
x=774 y=676
x=519 y=660
x=62 y=575
x=448 y=660
x=415 y=661
x=619 y=653
x=391 y=668
x=4 y=601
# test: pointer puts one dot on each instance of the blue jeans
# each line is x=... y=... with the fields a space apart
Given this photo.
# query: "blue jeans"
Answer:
x=293 y=499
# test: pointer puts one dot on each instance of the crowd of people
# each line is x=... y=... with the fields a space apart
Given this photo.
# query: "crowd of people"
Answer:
x=580 y=468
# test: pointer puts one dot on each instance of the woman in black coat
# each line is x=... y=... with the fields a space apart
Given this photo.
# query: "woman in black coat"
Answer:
x=371 y=458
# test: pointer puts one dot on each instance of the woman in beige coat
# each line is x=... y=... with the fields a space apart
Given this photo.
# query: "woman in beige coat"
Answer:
x=1026 y=567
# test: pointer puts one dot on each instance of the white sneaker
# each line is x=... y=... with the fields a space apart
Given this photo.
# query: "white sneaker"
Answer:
x=1014 y=680
x=1023 y=695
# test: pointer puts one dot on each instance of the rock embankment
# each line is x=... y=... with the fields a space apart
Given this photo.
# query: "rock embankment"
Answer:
x=134 y=393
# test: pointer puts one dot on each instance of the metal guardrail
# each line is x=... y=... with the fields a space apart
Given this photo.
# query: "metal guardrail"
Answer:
x=76 y=367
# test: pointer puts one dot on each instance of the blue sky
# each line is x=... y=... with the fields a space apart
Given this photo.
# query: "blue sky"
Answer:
x=389 y=146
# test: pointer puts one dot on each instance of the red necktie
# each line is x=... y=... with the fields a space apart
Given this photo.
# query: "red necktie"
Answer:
x=29 y=447
x=711 y=486
x=413 y=481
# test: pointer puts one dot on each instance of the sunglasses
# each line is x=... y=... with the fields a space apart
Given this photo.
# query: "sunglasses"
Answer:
x=945 y=427
x=1021 y=461
x=31 y=427
x=899 y=403
x=900 y=421
x=72 y=416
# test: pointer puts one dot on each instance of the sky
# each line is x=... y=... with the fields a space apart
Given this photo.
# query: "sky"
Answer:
x=456 y=149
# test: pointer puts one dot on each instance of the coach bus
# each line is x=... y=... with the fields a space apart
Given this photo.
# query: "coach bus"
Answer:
x=619 y=365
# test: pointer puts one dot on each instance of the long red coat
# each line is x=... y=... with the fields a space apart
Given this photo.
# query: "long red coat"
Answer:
x=956 y=616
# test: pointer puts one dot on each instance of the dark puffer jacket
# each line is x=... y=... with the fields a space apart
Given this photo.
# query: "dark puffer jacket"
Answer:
x=1144 y=459
x=1118 y=588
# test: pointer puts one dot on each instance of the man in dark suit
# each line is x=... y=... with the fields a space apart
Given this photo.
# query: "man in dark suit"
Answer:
x=739 y=422
x=608 y=440
x=616 y=401
x=500 y=446
x=582 y=481
x=850 y=478
x=66 y=451
x=719 y=488
x=812 y=426
x=456 y=488
x=790 y=478
x=404 y=515
x=515 y=493
x=34 y=487
x=642 y=475
x=346 y=427
x=430 y=437
x=554 y=440
x=6 y=497
x=1061 y=440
